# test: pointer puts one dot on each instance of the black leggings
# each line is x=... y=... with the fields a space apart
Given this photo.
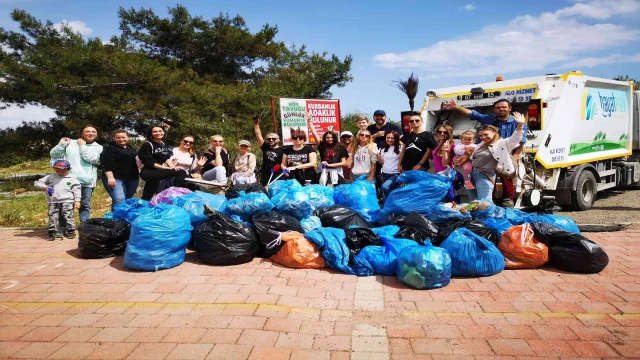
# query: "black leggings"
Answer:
x=152 y=180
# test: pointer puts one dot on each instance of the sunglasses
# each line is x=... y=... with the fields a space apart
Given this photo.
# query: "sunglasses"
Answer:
x=187 y=142
x=244 y=146
x=413 y=121
x=297 y=138
x=345 y=136
x=217 y=141
x=272 y=139
x=365 y=135
x=443 y=132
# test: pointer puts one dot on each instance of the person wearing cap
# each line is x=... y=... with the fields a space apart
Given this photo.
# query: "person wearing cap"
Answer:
x=381 y=128
x=63 y=193
x=244 y=165
x=333 y=156
x=84 y=155
x=271 y=152
x=346 y=139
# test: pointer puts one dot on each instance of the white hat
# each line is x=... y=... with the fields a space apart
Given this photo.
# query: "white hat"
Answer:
x=244 y=142
x=346 y=133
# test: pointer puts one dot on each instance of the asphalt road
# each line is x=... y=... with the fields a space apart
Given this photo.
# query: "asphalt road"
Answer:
x=611 y=207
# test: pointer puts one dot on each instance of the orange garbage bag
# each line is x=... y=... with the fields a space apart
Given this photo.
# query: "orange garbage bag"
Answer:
x=298 y=252
x=521 y=249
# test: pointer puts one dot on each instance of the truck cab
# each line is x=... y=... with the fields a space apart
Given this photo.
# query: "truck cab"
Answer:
x=582 y=134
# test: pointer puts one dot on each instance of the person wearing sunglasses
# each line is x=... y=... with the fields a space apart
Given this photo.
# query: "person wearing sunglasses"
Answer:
x=418 y=145
x=300 y=159
x=120 y=175
x=217 y=165
x=346 y=139
x=491 y=157
x=506 y=125
x=364 y=157
x=185 y=158
x=333 y=156
x=271 y=152
x=157 y=164
x=443 y=153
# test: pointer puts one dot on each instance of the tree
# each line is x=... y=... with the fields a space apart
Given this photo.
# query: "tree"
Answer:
x=636 y=82
x=198 y=76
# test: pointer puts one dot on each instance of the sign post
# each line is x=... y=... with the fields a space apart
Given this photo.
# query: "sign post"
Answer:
x=325 y=115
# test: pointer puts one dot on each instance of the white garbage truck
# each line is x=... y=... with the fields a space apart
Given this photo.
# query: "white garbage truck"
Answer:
x=582 y=136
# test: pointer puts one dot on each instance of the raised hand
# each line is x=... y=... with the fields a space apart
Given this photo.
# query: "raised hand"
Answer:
x=202 y=161
x=519 y=118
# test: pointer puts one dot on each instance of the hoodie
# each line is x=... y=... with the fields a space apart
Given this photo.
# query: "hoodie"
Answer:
x=65 y=188
x=83 y=160
x=120 y=160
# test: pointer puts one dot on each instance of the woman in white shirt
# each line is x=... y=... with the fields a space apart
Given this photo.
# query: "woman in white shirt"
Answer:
x=184 y=158
x=244 y=165
x=364 y=158
x=389 y=157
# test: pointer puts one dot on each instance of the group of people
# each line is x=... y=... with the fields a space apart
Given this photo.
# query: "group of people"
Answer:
x=380 y=152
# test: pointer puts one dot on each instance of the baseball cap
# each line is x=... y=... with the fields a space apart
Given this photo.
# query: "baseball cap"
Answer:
x=346 y=133
x=379 y=112
x=244 y=142
x=62 y=164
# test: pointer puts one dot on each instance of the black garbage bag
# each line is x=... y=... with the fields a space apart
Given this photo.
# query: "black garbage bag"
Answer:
x=219 y=240
x=571 y=252
x=475 y=226
x=103 y=238
x=341 y=217
x=358 y=238
x=269 y=227
x=415 y=227
x=234 y=190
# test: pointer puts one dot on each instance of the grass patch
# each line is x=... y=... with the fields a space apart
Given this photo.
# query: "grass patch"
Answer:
x=30 y=210
x=30 y=167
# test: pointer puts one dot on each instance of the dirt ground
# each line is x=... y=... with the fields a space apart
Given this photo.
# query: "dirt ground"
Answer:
x=611 y=207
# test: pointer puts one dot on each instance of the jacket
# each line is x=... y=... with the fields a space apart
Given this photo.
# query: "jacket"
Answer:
x=120 y=160
x=65 y=188
x=501 y=151
x=83 y=159
x=154 y=153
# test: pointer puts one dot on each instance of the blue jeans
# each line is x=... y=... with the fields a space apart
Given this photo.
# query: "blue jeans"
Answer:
x=388 y=184
x=483 y=186
x=124 y=189
x=85 y=204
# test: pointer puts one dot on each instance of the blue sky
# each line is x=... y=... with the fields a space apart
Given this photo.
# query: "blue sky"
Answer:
x=446 y=43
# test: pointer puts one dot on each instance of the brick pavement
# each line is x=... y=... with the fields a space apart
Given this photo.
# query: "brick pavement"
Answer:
x=54 y=305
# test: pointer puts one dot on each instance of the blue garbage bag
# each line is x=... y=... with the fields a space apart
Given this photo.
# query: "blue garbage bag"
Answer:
x=500 y=219
x=194 y=204
x=333 y=246
x=319 y=196
x=129 y=209
x=359 y=196
x=499 y=225
x=293 y=202
x=421 y=189
x=283 y=185
x=472 y=255
x=310 y=223
x=382 y=259
x=562 y=222
x=443 y=214
x=159 y=237
x=424 y=267
x=248 y=204
x=491 y=212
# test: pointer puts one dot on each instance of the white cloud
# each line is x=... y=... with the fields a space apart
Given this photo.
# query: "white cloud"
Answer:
x=468 y=7
x=13 y=116
x=611 y=59
x=525 y=43
x=76 y=26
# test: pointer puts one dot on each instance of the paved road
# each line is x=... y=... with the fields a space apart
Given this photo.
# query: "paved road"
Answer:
x=55 y=305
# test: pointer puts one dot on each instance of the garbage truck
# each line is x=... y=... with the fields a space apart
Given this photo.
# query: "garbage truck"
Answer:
x=582 y=137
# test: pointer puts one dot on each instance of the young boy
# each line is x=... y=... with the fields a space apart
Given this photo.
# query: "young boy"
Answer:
x=467 y=147
x=63 y=195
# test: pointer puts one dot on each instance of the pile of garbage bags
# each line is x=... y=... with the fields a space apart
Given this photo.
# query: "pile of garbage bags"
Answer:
x=415 y=235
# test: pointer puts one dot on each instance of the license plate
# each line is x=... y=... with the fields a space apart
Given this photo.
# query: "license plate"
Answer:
x=485 y=95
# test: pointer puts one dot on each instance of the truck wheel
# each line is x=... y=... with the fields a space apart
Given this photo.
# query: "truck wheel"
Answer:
x=585 y=194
